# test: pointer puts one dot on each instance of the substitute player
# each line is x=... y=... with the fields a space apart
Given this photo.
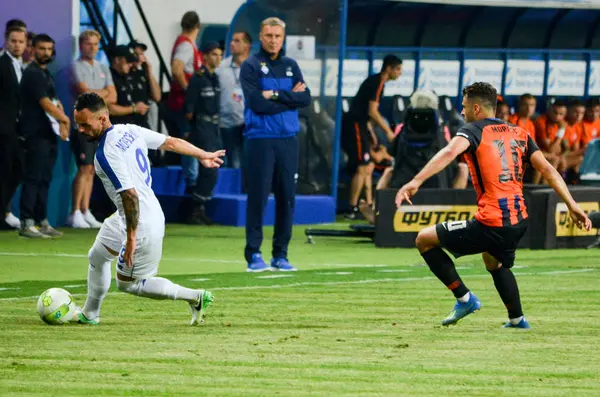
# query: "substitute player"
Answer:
x=135 y=232
x=496 y=153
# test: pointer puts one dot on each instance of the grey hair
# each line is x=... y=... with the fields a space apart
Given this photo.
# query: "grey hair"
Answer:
x=272 y=21
x=424 y=100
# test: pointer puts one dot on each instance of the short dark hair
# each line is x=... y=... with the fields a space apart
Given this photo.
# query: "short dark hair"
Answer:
x=576 y=102
x=41 y=38
x=592 y=102
x=246 y=36
x=390 y=60
x=484 y=92
x=13 y=29
x=91 y=101
x=190 y=21
x=559 y=104
x=525 y=97
x=14 y=23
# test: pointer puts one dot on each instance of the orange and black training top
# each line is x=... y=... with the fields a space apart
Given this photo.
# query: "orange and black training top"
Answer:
x=370 y=90
x=496 y=160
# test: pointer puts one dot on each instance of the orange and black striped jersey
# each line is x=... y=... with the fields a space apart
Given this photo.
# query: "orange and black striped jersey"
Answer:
x=370 y=90
x=496 y=160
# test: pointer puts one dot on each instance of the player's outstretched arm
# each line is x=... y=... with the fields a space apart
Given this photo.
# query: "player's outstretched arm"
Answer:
x=557 y=183
x=208 y=159
x=131 y=207
x=457 y=146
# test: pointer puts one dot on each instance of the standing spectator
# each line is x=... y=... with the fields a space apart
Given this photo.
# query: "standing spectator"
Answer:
x=28 y=54
x=525 y=111
x=39 y=104
x=12 y=23
x=126 y=110
x=202 y=101
x=185 y=60
x=146 y=90
x=274 y=90
x=232 y=98
x=145 y=86
x=89 y=76
x=356 y=138
x=11 y=161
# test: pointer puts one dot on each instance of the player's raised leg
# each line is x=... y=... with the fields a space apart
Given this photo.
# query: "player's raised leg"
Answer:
x=443 y=267
x=507 y=288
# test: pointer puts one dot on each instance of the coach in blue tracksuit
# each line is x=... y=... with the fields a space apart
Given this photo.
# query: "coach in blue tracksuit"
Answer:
x=273 y=91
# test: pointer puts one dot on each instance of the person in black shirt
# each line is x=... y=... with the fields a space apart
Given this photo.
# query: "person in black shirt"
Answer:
x=42 y=118
x=201 y=107
x=126 y=110
x=145 y=86
x=357 y=141
x=11 y=161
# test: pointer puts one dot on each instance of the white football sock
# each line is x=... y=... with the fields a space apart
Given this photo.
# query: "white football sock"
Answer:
x=515 y=321
x=98 y=280
x=464 y=298
x=158 y=288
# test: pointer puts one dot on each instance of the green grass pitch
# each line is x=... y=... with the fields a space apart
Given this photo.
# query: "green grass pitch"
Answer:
x=354 y=321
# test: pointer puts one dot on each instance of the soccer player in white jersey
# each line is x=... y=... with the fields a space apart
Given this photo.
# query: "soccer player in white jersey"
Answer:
x=135 y=232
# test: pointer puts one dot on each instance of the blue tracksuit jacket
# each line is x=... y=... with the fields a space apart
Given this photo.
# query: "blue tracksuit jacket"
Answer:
x=271 y=118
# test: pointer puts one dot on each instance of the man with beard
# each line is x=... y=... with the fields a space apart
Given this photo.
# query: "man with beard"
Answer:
x=39 y=103
x=135 y=232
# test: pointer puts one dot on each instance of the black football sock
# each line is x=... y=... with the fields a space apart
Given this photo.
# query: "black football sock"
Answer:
x=442 y=266
x=506 y=284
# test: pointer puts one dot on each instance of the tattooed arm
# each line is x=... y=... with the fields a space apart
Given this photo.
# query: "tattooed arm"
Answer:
x=131 y=207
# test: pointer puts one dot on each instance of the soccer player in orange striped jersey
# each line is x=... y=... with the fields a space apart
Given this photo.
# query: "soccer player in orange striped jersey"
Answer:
x=496 y=153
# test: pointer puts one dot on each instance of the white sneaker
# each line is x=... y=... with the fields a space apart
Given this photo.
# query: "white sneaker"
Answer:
x=12 y=221
x=91 y=220
x=77 y=220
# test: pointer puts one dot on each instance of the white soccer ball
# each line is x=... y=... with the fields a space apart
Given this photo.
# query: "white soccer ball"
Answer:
x=56 y=306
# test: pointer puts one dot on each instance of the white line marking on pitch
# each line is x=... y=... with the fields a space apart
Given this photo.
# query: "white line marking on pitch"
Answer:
x=195 y=260
x=367 y=281
x=336 y=273
x=393 y=271
x=199 y=279
x=275 y=276
x=9 y=289
x=75 y=285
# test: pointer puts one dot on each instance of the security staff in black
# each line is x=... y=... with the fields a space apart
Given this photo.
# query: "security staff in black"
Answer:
x=40 y=142
x=201 y=107
x=356 y=138
x=145 y=86
x=126 y=110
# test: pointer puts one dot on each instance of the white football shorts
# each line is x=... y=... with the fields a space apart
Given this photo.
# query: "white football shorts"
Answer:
x=148 y=249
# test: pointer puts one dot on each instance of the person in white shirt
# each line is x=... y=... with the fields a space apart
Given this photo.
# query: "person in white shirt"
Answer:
x=135 y=232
